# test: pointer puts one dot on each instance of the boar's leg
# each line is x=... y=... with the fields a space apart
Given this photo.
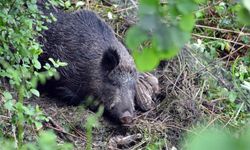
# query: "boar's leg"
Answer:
x=147 y=88
x=66 y=95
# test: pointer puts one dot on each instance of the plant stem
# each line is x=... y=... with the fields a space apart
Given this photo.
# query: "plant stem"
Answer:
x=20 y=130
x=89 y=137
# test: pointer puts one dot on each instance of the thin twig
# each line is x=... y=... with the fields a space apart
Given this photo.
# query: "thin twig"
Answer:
x=5 y=117
x=214 y=62
x=235 y=44
x=134 y=3
x=87 y=3
x=124 y=9
x=202 y=9
x=210 y=123
x=177 y=79
x=215 y=38
x=234 y=116
x=223 y=30
x=62 y=131
x=238 y=112
x=178 y=87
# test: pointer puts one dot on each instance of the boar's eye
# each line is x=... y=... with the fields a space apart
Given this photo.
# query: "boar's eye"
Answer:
x=112 y=106
x=114 y=83
x=133 y=72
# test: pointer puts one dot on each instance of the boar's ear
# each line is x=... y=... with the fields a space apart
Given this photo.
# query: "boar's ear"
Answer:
x=110 y=60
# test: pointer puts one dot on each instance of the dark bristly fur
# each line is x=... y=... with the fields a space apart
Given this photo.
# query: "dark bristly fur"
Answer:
x=98 y=64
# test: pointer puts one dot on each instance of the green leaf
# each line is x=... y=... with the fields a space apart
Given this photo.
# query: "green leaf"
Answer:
x=149 y=2
x=62 y=64
x=92 y=121
x=146 y=60
x=53 y=62
x=232 y=96
x=7 y=95
x=9 y=105
x=36 y=64
x=199 y=1
x=47 y=66
x=243 y=16
x=38 y=125
x=47 y=140
x=148 y=8
x=134 y=37
x=67 y=4
x=150 y=23
x=187 y=22
x=186 y=6
x=211 y=139
x=169 y=53
x=177 y=38
x=35 y=92
x=199 y=14
x=19 y=106
x=53 y=17
x=246 y=3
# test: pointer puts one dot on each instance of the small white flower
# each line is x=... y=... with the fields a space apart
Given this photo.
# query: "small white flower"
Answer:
x=110 y=15
x=199 y=46
x=80 y=4
x=199 y=41
x=115 y=5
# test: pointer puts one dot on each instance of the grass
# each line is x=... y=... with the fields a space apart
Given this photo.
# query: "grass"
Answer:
x=202 y=85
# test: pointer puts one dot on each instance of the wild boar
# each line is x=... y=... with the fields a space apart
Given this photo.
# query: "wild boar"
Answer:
x=98 y=64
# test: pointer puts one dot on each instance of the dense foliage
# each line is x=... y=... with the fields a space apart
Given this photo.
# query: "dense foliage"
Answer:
x=20 y=24
x=167 y=27
x=163 y=29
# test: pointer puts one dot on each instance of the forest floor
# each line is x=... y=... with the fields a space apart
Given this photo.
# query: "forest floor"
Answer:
x=181 y=104
x=176 y=109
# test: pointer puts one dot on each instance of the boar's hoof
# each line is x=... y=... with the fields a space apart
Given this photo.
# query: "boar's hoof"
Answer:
x=154 y=83
x=147 y=87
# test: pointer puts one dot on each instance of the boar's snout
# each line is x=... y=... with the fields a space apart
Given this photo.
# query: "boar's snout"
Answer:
x=126 y=117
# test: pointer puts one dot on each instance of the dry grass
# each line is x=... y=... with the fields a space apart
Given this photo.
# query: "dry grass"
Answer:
x=180 y=105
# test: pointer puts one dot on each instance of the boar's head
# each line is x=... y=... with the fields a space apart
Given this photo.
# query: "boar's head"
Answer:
x=118 y=87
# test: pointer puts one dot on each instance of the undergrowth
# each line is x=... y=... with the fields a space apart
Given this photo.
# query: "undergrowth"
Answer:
x=220 y=44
